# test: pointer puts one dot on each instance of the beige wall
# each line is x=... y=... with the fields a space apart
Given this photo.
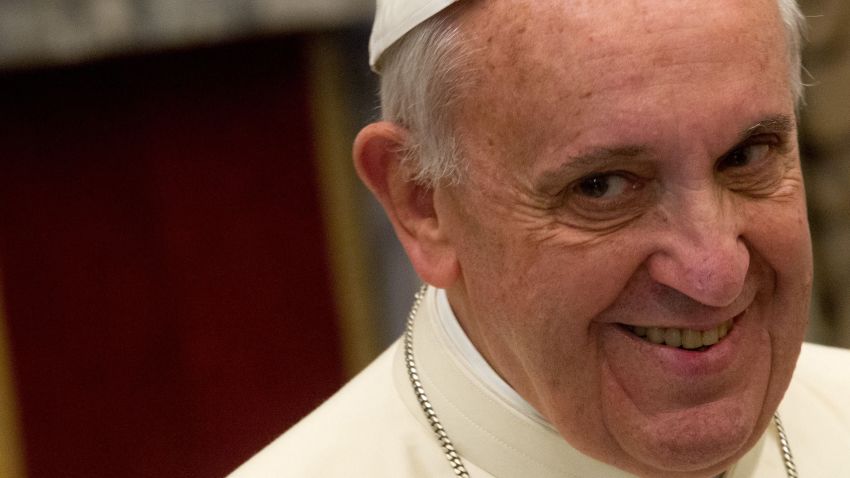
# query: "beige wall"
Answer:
x=39 y=32
x=825 y=136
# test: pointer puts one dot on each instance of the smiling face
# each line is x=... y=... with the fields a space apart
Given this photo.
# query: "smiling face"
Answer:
x=633 y=177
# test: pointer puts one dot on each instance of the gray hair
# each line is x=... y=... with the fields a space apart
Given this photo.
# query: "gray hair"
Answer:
x=422 y=77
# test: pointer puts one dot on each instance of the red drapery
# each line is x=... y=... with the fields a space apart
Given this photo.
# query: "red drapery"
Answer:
x=163 y=255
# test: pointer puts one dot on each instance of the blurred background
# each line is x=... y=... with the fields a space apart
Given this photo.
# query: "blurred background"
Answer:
x=188 y=264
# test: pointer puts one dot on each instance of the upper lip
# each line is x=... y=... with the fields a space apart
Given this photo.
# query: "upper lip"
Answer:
x=700 y=319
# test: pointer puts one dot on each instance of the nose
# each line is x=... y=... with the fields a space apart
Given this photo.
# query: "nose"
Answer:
x=702 y=253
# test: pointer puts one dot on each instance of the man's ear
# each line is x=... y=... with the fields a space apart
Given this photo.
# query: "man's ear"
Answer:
x=378 y=153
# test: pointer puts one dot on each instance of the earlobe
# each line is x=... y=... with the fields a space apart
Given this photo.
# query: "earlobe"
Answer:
x=378 y=153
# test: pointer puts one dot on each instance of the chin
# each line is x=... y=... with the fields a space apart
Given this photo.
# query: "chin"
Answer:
x=699 y=444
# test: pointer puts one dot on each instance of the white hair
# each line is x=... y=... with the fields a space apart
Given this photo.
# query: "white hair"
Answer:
x=423 y=74
x=795 y=28
x=421 y=77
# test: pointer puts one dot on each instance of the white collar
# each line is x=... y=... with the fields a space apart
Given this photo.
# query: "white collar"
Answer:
x=466 y=352
x=495 y=426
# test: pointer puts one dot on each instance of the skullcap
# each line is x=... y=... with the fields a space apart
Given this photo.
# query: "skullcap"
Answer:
x=394 y=18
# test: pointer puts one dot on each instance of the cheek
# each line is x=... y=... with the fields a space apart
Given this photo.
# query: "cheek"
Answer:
x=550 y=298
x=549 y=283
x=780 y=235
x=588 y=278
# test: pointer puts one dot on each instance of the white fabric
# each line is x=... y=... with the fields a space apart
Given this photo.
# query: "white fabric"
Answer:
x=374 y=426
x=463 y=349
x=394 y=18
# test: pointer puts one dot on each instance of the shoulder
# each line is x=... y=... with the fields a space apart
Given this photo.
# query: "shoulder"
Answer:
x=825 y=371
x=363 y=430
x=816 y=412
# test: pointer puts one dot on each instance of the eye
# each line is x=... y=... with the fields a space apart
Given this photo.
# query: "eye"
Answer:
x=603 y=186
x=606 y=201
x=744 y=156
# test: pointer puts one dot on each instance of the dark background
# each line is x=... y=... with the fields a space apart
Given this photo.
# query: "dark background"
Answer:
x=167 y=265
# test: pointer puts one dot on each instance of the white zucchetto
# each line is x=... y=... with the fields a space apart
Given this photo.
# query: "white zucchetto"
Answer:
x=394 y=18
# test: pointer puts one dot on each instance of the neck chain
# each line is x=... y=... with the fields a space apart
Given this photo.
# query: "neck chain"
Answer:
x=443 y=437
x=413 y=375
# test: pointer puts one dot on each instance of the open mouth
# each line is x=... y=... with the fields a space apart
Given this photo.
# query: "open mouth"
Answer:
x=688 y=339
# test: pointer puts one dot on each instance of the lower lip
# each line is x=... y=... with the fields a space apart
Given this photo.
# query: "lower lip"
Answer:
x=692 y=363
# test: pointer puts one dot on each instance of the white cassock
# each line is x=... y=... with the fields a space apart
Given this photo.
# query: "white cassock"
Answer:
x=374 y=426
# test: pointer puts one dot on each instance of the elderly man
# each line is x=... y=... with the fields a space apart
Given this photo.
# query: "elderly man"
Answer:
x=605 y=199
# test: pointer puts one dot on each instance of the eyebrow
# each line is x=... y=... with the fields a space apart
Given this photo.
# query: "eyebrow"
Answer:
x=602 y=154
x=601 y=157
x=593 y=159
x=777 y=124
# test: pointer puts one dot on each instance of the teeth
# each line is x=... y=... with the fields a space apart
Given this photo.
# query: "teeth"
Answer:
x=724 y=329
x=673 y=337
x=710 y=337
x=685 y=338
x=691 y=339
x=655 y=335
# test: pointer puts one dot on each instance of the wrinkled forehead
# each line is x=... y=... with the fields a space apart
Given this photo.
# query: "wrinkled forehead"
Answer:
x=565 y=33
x=595 y=59
x=395 y=18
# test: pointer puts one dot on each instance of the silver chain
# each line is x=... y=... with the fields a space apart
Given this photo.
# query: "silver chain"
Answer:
x=787 y=458
x=446 y=442
x=422 y=397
